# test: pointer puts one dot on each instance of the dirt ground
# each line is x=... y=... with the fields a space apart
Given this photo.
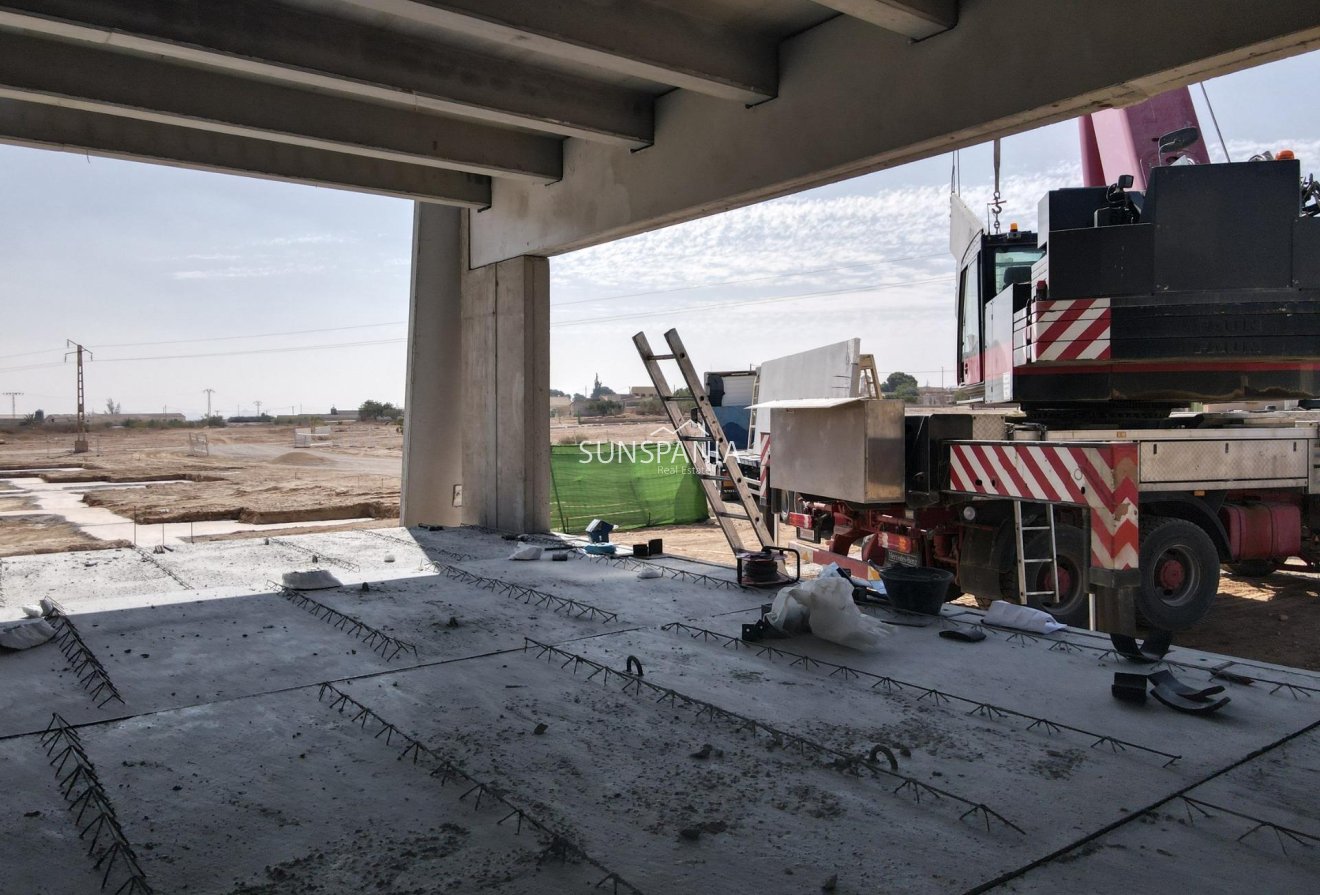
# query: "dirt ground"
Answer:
x=248 y=473
x=254 y=473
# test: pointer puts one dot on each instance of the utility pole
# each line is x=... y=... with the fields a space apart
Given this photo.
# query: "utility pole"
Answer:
x=80 y=436
x=209 y=393
x=258 y=403
x=13 y=403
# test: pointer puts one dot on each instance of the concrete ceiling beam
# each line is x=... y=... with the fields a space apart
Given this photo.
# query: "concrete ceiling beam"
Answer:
x=279 y=44
x=81 y=77
x=73 y=130
x=854 y=98
x=629 y=37
x=911 y=18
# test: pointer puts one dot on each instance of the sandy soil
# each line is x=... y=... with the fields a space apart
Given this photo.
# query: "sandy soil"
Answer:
x=251 y=473
x=254 y=473
x=26 y=535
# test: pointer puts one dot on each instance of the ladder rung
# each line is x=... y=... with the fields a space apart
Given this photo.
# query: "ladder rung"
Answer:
x=726 y=515
x=1040 y=593
x=1036 y=527
x=1045 y=559
x=661 y=357
x=710 y=476
x=696 y=437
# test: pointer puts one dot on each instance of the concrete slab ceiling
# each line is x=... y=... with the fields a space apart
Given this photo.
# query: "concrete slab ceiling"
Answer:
x=536 y=110
x=468 y=723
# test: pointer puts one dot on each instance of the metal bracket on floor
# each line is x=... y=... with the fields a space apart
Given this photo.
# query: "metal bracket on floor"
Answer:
x=147 y=557
x=91 y=673
x=88 y=801
x=836 y=759
x=529 y=595
x=445 y=768
x=892 y=685
x=317 y=555
x=379 y=641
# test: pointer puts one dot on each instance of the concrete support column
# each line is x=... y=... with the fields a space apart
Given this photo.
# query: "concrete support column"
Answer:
x=433 y=435
x=476 y=441
x=506 y=415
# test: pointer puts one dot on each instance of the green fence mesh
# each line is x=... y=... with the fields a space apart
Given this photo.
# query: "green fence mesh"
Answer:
x=630 y=485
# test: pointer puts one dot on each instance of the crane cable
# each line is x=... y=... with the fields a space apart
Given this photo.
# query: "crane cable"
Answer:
x=997 y=203
x=1215 y=121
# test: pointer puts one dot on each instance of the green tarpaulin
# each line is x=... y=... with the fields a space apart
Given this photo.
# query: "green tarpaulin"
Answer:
x=631 y=485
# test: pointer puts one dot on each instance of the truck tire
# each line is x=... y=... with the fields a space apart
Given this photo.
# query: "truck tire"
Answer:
x=1179 y=574
x=1073 y=556
x=1253 y=568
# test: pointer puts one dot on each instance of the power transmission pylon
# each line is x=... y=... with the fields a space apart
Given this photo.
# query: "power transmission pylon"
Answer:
x=80 y=436
x=209 y=393
x=258 y=403
x=13 y=403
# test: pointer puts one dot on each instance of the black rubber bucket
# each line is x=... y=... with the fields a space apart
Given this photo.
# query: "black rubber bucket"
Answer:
x=921 y=589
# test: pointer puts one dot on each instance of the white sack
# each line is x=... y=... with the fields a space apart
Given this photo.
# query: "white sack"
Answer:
x=1023 y=618
x=829 y=609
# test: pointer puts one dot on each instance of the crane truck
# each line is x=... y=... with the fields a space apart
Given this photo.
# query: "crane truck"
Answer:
x=1079 y=472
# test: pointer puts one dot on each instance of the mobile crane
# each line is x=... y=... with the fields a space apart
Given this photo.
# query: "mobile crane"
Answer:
x=1079 y=473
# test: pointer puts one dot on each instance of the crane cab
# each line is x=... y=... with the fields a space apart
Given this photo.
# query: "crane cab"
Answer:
x=1126 y=305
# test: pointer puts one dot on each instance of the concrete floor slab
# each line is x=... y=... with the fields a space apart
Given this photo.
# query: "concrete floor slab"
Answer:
x=278 y=792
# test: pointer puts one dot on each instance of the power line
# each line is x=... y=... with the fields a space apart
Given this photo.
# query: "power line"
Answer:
x=293 y=332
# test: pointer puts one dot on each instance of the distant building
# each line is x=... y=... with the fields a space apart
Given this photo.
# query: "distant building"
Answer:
x=643 y=391
x=934 y=396
x=561 y=405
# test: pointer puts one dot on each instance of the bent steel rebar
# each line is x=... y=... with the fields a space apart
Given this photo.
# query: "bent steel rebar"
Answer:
x=91 y=673
x=836 y=759
x=528 y=595
x=445 y=769
x=1282 y=834
x=1107 y=652
x=147 y=557
x=636 y=565
x=892 y=686
x=316 y=555
x=379 y=642
x=88 y=801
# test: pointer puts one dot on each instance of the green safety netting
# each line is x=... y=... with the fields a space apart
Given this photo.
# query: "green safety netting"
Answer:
x=633 y=485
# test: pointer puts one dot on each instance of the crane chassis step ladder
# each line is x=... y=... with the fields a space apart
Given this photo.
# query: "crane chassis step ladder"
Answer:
x=704 y=429
x=1048 y=556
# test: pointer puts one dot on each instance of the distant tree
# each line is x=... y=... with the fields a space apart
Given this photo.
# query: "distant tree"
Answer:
x=334 y=411
x=650 y=406
x=39 y=417
x=603 y=407
x=370 y=410
x=111 y=406
x=901 y=386
x=556 y=393
x=215 y=422
x=598 y=390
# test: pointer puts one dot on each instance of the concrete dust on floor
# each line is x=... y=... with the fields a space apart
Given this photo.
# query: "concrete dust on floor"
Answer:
x=557 y=726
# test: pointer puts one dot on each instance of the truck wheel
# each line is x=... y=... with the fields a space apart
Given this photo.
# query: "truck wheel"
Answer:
x=1253 y=568
x=1074 y=553
x=1179 y=574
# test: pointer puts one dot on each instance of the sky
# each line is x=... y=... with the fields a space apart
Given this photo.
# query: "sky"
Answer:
x=297 y=297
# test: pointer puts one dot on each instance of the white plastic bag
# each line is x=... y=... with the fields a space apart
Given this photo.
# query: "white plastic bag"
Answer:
x=828 y=607
x=526 y=552
x=1022 y=618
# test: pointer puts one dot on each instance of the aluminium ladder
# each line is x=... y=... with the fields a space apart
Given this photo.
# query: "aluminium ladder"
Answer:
x=1025 y=562
x=705 y=469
